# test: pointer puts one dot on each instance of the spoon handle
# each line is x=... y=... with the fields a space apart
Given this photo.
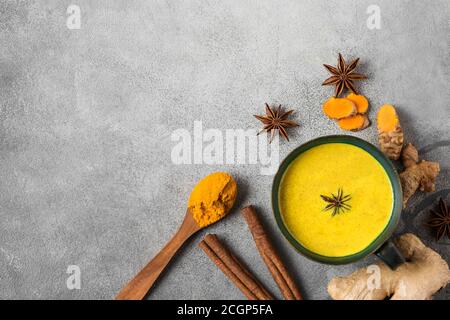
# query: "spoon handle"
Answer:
x=140 y=285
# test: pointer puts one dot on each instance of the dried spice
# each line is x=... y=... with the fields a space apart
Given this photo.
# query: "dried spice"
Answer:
x=343 y=76
x=276 y=120
x=440 y=220
x=337 y=202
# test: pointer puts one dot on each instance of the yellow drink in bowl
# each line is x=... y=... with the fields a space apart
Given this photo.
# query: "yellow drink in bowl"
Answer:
x=323 y=170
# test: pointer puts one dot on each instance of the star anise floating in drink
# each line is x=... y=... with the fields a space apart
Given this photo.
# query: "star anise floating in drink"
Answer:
x=440 y=220
x=276 y=120
x=337 y=202
x=343 y=76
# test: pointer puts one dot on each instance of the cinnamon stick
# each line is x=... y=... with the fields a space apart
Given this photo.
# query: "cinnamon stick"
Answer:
x=233 y=268
x=283 y=279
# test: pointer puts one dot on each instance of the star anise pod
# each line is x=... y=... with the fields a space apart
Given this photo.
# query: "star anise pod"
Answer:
x=440 y=220
x=337 y=202
x=343 y=76
x=276 y=120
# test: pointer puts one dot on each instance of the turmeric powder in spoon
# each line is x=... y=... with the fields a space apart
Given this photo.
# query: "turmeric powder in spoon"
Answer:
x=212 y=198
x=210 y=201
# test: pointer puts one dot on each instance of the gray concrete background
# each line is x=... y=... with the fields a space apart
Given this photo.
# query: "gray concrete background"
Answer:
x=86 y=116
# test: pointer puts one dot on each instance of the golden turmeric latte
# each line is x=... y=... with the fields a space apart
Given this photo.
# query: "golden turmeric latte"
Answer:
x=323 y=170
x=212 y=198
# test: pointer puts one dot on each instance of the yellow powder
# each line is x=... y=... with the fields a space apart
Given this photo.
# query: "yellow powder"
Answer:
x=323 y=170
x=212 y=198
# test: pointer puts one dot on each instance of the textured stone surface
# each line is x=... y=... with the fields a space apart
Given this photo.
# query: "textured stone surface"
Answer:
x=86 y=116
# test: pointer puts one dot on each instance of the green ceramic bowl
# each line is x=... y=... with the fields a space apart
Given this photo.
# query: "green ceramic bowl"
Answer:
x=393 y=177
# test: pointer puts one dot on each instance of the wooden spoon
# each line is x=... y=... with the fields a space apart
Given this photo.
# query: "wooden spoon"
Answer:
x=139 y=286
x=221 y=188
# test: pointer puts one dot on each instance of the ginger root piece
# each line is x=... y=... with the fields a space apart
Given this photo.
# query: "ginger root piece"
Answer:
x=354 y=123
x=361 y=103
x=338 y=108
x=418 y=174
x=418 y=279
x=390 y=133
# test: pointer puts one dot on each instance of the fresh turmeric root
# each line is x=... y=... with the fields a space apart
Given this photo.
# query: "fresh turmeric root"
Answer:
x=362 y=105
x=390 y=133
x=339 y=108
x=418 y=279
x=418 y=174
x=354 y=123
x=349 y=111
